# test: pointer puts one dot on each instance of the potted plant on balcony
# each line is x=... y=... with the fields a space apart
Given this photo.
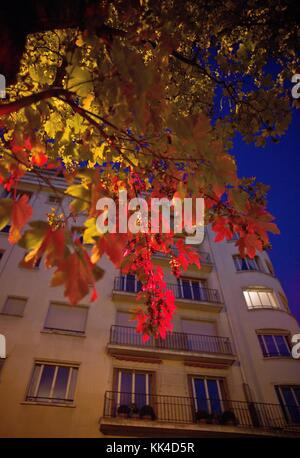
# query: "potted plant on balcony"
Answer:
x=123 y=411
x=147 y=412
x=134 y=411
x=213 y=419
x=202 y=416
x=228 y=418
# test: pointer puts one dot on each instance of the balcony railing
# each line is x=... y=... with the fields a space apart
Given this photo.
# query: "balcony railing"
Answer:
x=189 y=410
x=202 y=294
x=175 y=341
x=205 y=257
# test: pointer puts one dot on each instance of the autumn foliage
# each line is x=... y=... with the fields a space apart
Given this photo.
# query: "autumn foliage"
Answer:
x=128 y=101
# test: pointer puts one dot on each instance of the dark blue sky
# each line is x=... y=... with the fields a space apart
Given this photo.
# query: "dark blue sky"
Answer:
x=278 y=165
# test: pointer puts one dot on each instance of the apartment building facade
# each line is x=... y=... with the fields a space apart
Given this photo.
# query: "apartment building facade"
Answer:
x=83 y=371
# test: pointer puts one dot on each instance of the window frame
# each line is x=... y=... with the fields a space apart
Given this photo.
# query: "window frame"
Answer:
x=264 y=345
x=238 y=263
x=150 y=383
x=284 y=406
x=2 y=312
x=270 y=293
x=65 y=331
x=202 y=283
x=35 y=384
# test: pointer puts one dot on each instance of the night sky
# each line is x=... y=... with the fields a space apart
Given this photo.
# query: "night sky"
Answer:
x=278 y=165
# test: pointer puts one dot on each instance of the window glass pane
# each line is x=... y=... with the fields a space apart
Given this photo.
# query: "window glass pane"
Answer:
x=254 y=298
x=200 y=394
x=61 y=383
x=34 y=379
x=272 y=300
x=237 y=262
x=130 y=283
x=247 y=299
x=140 y=390
x=270 y=344
x=71 y=394
x=46 y=382
x=265 y=300
x=215 y=404
x=244 y=265
x=297 y=394
x=197 y=291
x=290 y=404
x=126 y=387
x=252 y=264
x=186 y=289
x=282 y=345
x=261 y=341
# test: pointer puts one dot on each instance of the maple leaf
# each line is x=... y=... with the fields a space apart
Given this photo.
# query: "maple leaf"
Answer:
x=38 y=157
x=21 y=213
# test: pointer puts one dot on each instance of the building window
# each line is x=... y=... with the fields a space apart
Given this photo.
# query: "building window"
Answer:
x=258 y=299
x=14 y=306
x=235 y=236
x=289 y=398
x=30 y=264
x=52 y=383
x=133 y=387
x=19 y=193
x=5 y=229
x=54 y=199
x=130 y=283
x=283 y=301
x=193 y=289
x=270 y=267
x=242 y=264
x=66 y=318
x=274 y=345
x=208 y=394
x=1 y=254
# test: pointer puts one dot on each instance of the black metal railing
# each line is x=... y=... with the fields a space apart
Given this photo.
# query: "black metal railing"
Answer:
x=199 y=294
x=189 y=410
x=205 y=257
x=176 y=341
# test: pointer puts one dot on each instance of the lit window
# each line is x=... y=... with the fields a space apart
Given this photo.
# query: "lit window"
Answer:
x=67 y=318
x=52 y=383
x=260 y=299
x=247 y=263
x=274 y=345
x=14 y=306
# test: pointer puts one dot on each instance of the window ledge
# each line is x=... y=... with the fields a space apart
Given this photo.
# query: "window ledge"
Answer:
x=48 y=404
x=18 y=315
x=273 y=309
x=266 y=358
x=63 y=333
x=255 y=271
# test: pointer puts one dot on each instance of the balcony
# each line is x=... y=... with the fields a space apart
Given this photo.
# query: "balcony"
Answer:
x=205 y=260
x=192 y=296
x=217 y=351
x=192 y=417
